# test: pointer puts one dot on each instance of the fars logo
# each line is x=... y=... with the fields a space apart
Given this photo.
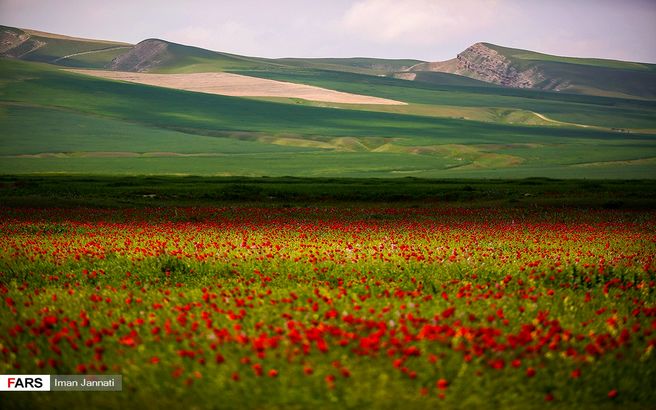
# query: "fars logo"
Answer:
x=24 y=382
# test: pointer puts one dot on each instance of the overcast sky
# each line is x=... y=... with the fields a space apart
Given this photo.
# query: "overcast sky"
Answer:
x=423 y=29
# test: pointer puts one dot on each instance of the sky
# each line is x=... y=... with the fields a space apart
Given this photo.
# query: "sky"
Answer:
x=431 y=30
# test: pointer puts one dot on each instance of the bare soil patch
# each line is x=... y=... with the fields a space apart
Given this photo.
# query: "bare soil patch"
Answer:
x=239 y=86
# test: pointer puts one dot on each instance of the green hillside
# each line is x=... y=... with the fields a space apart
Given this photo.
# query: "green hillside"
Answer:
x=448 y=79
x=587 y=75
x=563 y=107
x=179 y=58
x=61 y=50
x=562 y=74
x=90 y=125
x=187 y=59
x=375 y=66
x=524 y=57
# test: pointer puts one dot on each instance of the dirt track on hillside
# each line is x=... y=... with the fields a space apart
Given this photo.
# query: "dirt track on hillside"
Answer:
x=239 y=86
x=102 y=50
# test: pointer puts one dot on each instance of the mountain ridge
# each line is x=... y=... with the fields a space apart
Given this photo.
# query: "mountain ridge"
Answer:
x=517 y=68
x=486 y=62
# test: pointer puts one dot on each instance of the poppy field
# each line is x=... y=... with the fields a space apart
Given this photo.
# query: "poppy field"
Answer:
x=332 y=307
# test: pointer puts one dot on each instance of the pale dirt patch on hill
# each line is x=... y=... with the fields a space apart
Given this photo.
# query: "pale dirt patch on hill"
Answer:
x=405 y=76
x=239 y=86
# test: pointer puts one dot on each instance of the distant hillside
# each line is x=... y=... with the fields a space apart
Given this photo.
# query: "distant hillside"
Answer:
x=517 y=68
x=164 y=56
x=156 y=55
x=362 y=65
x=57 y=49
x=480 y=65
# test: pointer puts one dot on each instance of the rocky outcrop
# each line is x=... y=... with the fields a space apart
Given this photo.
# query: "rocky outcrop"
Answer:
x=483 y=63
x=143 y=56
x=17 y=43
x=10 y=39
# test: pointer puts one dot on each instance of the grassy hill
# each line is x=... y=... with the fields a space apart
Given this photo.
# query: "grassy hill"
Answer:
x=90 y=125
x=524 y=57
x=179 y=58
x=528 y=69
x=469 y=100
x=363 y=65
x=160 y=56
x=484 y=61
x=52 y=48
x=67 y=51
x=587 y=75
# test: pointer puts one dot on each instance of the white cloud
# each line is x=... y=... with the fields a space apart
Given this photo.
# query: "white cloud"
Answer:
x=419 y=21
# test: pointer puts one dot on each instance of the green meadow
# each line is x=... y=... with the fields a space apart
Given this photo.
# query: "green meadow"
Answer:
x=54 y=121
x=128 y=191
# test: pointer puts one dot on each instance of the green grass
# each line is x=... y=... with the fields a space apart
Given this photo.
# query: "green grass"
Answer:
x=64 y=131
x=165 y=191
x=316 y=165
x=437 y=78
